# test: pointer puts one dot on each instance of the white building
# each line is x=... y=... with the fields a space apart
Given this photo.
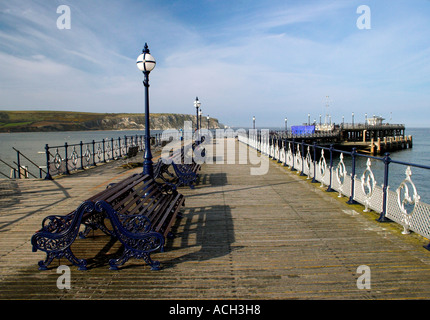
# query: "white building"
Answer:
x=375 y=121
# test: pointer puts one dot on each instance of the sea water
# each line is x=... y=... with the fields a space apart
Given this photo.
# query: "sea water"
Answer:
x=32 y=145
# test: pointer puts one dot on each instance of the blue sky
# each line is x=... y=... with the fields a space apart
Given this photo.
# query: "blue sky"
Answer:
x=272 y=59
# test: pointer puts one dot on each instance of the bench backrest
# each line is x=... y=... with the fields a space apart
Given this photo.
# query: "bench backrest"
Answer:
x=140 y=195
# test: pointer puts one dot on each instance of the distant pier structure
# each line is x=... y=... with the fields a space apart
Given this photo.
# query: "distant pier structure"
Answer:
x=373 y=136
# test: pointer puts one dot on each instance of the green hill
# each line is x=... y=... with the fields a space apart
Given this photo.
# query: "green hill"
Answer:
x=31 y=121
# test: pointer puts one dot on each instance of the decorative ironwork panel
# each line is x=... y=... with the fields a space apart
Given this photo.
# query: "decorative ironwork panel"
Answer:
x=393 y=209
x=298 y=160
x=346 y=190
x=322 y=169
x=108 y=151
x=276 y=155
x=407 y=199
x=282 y=155
x=307 y=164
x=339 y=182
x=377 y=199
x=86 y=157
x=367 y=183
x=289 y=156
x=420 y=219
x=99 y=153
x=57 y=166
x=74 y=160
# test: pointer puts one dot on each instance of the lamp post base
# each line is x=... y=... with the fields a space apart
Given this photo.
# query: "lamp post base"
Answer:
x=148 y=168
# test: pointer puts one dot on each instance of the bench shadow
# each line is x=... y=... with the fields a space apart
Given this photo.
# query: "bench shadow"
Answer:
x=11 y=195
x=209 y=228
x=212 y=179
x=101 y=259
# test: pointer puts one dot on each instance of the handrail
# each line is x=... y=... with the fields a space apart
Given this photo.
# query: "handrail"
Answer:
x=66 y=158
x=19 y=154
x=14 y=169
x=4 y=175
x=79 y=156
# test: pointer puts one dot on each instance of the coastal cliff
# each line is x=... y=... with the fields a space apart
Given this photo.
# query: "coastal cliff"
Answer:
x=32 y=121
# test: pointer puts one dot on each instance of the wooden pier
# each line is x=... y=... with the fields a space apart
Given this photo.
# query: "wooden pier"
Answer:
x=376 y=139
x=372 y=139
x=242 y=236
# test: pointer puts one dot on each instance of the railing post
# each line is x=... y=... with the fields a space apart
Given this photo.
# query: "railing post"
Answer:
x=113 y=151
x=81 y=145
x=275 y=141
x=293 y=154
x=382 y=217
x=329 y=189
x=94 y=153
x=104 y=151
x=285 y=152
x=353 y=157
x=270 y=145
x=119 y=147
x=302 y=148
x=279 y=149
x=66 y=158
x=48 y=174
x=18 y=164
x=314 y=180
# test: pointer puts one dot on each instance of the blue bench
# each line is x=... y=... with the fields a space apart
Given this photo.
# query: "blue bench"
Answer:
x=184 y=169
x=141 y=214
x=132 y=151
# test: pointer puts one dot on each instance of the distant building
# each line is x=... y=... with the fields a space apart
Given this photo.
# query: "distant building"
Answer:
x=324 y=127
x=375 y=121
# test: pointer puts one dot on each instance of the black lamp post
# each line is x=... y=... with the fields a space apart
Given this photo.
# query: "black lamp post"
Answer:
x=208 y=121
x=197 y=105
x=253 y=122
x=146 y=63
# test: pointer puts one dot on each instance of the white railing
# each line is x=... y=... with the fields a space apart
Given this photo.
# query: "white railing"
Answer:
x=402 y=205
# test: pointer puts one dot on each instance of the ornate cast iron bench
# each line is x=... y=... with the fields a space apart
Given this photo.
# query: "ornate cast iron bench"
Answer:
x=184 y=171
x=141 y=213
x=132 y=151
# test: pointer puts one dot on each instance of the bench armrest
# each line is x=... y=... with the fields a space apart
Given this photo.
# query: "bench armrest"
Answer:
x=135 y=223
x=56 y=223
x=166 y=187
